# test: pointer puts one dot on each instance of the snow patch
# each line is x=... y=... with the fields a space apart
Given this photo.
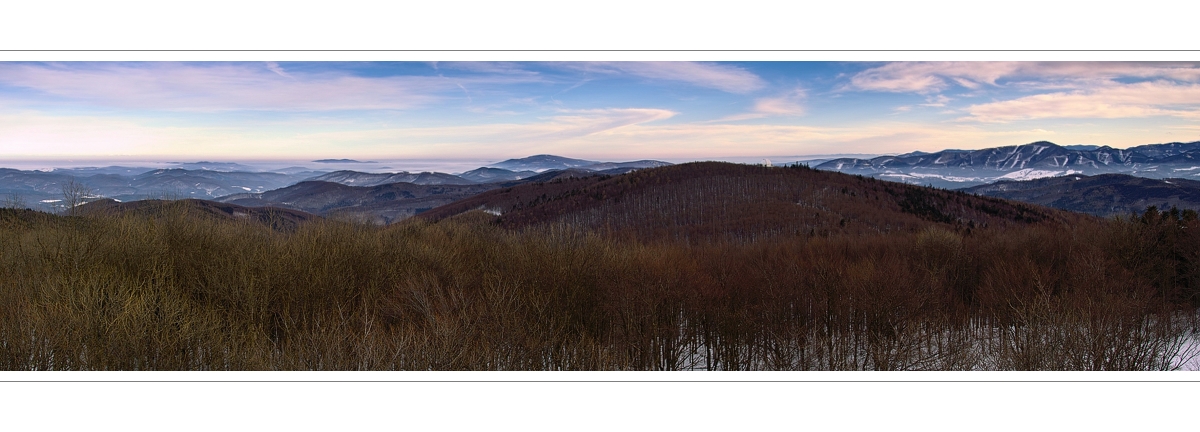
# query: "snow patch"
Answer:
x=918 y=175
x=1030 y=174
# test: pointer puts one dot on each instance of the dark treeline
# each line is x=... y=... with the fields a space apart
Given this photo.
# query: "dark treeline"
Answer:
x=179 y=289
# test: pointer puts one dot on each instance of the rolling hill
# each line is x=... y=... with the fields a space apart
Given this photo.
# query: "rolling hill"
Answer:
x=355 y=178
x=380 y=204
x=274 y=217
x=714 y=200
x=1101 y=195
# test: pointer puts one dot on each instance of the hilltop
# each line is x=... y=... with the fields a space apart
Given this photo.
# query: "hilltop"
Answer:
x=707 y=200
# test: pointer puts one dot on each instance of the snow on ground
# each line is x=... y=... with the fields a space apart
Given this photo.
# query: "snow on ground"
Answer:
x=1030 y=174
x=1024 y=174
x=919 y=175
x=1188 y=356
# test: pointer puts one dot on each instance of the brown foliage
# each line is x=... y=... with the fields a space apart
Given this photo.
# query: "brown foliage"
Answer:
x=180 y=289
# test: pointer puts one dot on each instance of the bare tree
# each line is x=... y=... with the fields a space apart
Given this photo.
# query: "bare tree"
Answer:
x=74 y=195
x=15 y=201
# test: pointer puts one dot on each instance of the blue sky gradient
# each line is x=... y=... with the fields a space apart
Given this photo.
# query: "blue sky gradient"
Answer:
x=597 y=110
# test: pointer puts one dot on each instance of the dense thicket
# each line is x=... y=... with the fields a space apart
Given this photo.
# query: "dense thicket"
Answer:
x=180 y=289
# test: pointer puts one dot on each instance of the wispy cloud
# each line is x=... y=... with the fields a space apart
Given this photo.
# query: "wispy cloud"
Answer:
x=588 y=122
x=569 y=131
x=495 y=68
x=936 y=101
x=612 y=134
x=726 y=78
x=789 y=104
x=786 y=105
x=625 y=109
x=229 y=87
x=1145 y=99
x=274 y=67
x=931 y=77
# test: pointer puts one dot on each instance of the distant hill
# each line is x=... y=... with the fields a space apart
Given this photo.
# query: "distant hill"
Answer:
x=42 y=190
x=340 y=161
x=355 y=178
x=90 y=171
x=381 y=204
x=1100 y=195
x=714 y=200
x=541 y=163
x=605 y=166
x=489 y=175
x=39 y=187
x=215 y=166
x=299 y=170
x=277 y=218
x=959 y=168
x=204 y=183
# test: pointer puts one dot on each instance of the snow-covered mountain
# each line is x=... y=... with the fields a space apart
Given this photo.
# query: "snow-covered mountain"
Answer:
x=964 y=168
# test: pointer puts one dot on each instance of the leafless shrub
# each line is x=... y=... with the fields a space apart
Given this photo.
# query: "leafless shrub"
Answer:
x=173 y=289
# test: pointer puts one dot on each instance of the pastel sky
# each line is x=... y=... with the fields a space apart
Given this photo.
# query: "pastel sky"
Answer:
x=596 y=110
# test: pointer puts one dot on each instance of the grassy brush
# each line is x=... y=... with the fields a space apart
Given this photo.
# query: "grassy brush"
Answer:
x=178 y=290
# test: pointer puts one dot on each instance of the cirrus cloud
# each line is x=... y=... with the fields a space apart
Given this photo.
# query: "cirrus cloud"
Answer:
x=230 y=86
x=789 y=104
x=726 y=78
x=1146 y=99
x=931 y=77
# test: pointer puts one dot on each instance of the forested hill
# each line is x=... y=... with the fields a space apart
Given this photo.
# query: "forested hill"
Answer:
x=1102 y=195
x=713 y=200
x=277 y=218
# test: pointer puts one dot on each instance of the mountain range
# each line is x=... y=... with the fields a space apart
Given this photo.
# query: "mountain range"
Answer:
x=1096 y=180
x=965 y=168
x=380 y=204
x=541 y=163
x=210 y=180
x=44 y=188
x=387 y=202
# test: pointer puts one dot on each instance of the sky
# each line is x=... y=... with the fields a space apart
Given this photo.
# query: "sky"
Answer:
x=612 y=111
